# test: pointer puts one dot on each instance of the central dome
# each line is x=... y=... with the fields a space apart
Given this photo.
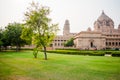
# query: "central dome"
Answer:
x=103 y=17
x=103 y=23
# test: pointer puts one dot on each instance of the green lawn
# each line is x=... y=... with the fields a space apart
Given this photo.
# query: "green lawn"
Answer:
x=22 y=66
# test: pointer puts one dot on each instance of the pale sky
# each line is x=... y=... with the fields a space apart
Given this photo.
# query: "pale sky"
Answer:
x=81 y=13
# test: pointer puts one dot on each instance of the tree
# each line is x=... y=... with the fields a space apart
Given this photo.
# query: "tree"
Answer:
x=38 y=22
x=27 y=34
x=1 y=36
x=12 y=34
x=5 y=40
x=69 y=43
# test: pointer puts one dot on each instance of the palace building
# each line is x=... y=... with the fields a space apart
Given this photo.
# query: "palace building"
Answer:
x=103 y=36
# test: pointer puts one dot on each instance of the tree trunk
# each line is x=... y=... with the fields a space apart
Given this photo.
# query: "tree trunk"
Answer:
x=5 y=48
x=17 y=48
x=35 y=52
x=45 y=53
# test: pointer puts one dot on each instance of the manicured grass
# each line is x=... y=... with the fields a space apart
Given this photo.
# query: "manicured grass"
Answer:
x=22 y=66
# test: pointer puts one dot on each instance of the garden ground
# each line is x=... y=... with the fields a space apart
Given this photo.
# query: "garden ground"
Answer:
x=22 y=66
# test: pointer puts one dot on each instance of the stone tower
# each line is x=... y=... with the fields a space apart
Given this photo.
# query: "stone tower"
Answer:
x=104 y=24
x=66 y=29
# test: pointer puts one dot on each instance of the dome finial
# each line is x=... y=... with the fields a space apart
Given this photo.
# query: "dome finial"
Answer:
x=103 y=12
x=89 y=29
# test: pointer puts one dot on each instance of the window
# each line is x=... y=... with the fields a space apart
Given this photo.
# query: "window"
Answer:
x=116 y=44
x=112 y=43
x=109 y=43
x=55 y=44
x=106 y=43
x=91 y=44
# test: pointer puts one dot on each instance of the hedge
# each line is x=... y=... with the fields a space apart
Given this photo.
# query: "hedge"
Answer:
x=116 y=54
x=90 y=53
x=108 y=52
x=97 y=53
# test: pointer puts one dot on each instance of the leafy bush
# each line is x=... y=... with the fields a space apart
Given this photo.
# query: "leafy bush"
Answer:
x=116 y=54
x=98 y=53
x=108 y=52
x=22 y=49
x=90 y=53
x=71 y=49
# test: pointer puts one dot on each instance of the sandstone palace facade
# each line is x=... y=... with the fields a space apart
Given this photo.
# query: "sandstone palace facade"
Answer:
x=103 y=36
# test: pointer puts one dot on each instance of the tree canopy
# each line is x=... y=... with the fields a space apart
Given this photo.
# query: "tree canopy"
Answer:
x=12 y=35
x=1 y=37
x=69 y=43
x=38 y=24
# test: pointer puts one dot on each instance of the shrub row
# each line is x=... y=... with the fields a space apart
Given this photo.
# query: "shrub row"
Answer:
x=116 y=54
x=21 y=49
x=90 y=53
x=113 y=53
x=71 y=49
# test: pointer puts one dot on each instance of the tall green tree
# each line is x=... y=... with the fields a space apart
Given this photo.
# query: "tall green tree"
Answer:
x=4 y=42
x=38 y=22
x=1 y=37
x=12 y=33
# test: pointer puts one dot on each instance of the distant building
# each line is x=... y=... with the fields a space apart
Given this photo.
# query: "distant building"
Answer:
x=103 y=36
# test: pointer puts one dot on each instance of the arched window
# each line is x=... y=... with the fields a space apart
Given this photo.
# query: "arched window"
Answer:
x=109 y=43
x=116 y=44
x=112 y=43
x=106 y=43
x=91 y=44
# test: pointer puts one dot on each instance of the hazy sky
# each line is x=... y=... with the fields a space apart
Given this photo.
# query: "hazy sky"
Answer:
x=81 y=13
